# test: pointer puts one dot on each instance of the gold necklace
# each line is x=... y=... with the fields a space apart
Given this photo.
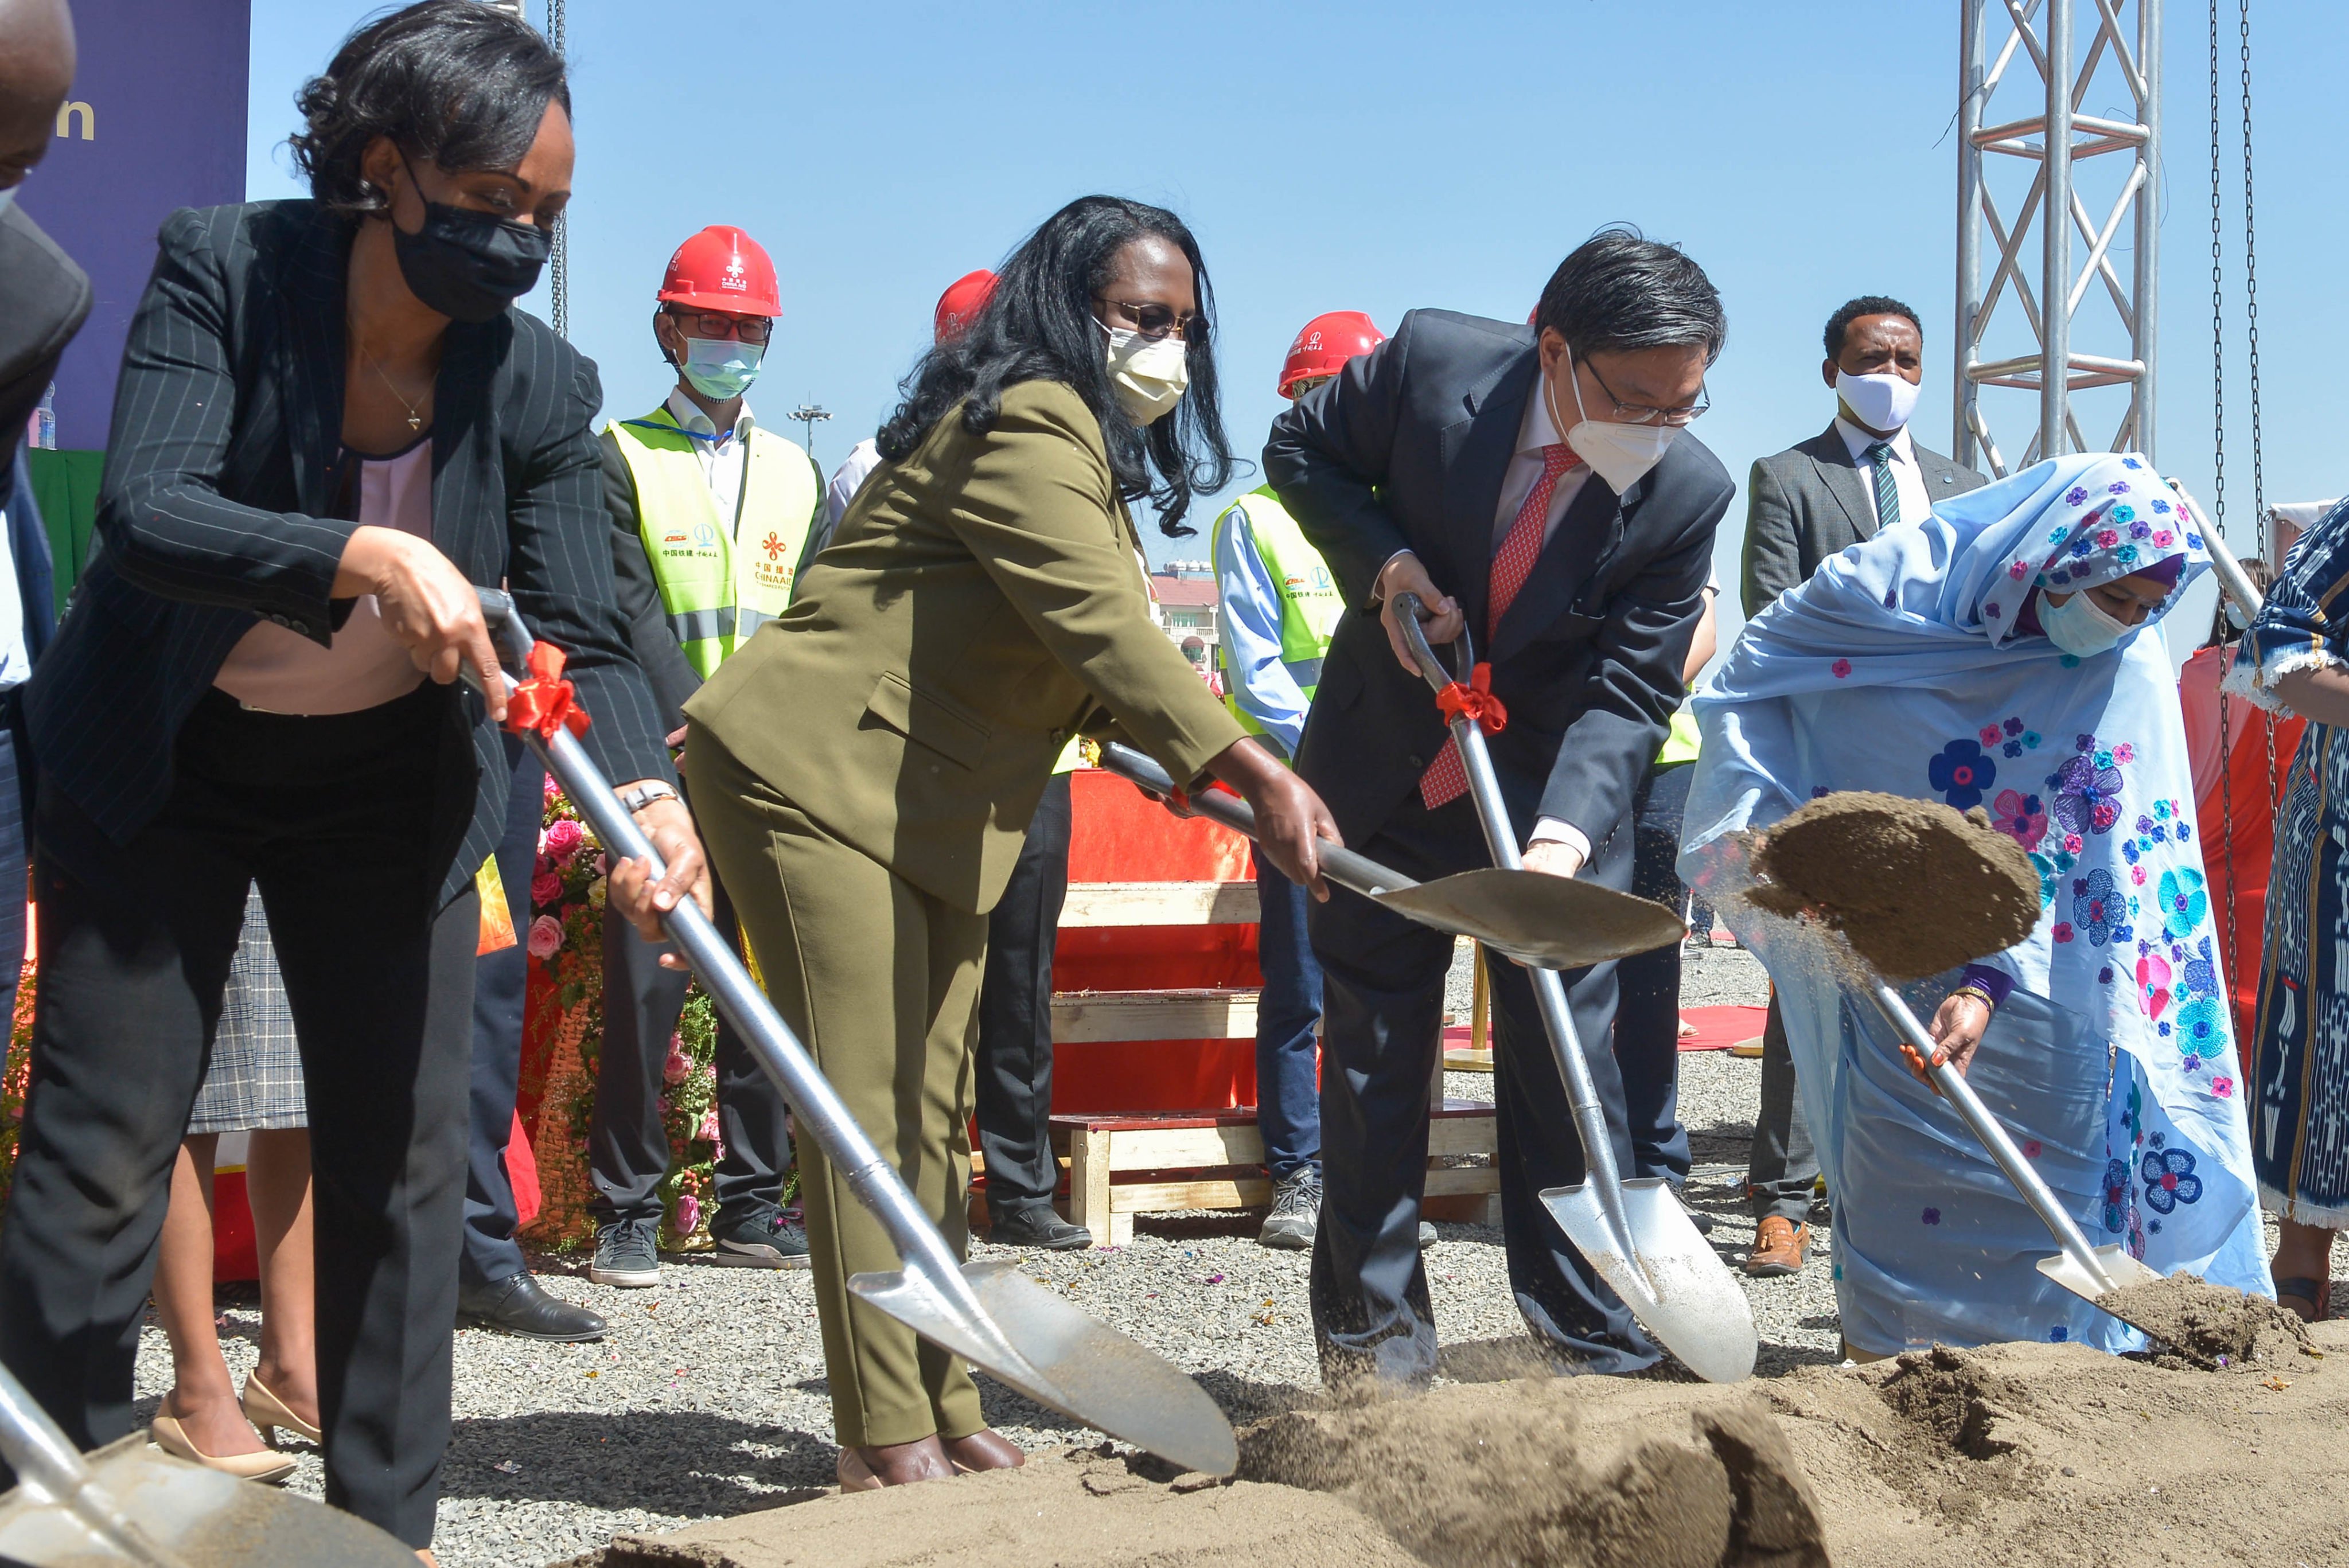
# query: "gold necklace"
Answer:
x=415 y=418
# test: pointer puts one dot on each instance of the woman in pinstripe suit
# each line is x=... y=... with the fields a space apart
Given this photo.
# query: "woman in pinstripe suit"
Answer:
x=329 y=428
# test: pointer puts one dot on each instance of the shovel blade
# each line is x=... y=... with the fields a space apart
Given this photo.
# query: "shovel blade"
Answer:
x=1671 y=1279
x=1553 y=923
x=1064 y=1359
x=196 y=1516
x=2119 y=1268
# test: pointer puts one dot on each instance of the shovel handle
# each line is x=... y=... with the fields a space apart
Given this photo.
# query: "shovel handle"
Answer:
x=1407 y=607
x=48 y=1467
x=818 y=1108
x=1986 y=1127
x=1340 y=864
x=2236 y=582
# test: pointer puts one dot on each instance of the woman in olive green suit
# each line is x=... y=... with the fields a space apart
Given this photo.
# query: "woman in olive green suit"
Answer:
x=864 y=770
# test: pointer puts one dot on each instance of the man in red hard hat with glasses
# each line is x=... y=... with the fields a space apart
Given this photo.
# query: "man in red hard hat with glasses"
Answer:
x=1278 y=605
x=714 y=516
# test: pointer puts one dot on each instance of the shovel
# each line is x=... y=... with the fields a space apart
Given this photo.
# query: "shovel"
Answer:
x=1634 y=1232
x=1532 y=918
x=126 y=1504
x=990 y=1314
x=2087 y=1272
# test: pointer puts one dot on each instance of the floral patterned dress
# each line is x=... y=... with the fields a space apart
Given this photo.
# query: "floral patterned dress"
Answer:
x=1911 y=664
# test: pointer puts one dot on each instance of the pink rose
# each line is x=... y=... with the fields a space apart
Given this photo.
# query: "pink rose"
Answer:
x=708 y=1130
x=602 y=865
x=545 y=937
x=545 y=888
x=552 y=792
x=689 y=1214
x=564 y=838
x=675 y=1070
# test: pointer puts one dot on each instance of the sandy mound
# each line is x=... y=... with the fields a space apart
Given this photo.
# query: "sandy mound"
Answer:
x=1915 y=887
x=2209 y=1326
x=2011 y=1454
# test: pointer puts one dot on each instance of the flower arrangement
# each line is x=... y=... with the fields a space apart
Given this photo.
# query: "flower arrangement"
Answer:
x=16 y=1076
x=566 y=939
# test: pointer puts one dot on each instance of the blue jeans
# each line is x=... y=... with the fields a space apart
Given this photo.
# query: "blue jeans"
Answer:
x=1288 y=1086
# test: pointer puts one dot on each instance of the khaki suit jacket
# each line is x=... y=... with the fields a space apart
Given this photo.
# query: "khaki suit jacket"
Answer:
x=982 y=600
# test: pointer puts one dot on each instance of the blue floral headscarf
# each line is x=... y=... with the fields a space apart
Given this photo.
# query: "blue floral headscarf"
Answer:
x=1907 y=665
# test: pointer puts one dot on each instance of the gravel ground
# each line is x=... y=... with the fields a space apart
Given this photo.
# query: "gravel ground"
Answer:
x=708 y=1397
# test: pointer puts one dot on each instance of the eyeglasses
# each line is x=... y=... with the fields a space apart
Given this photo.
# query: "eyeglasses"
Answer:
x=1155 y=321
x=1642 y=414
x=716 y=323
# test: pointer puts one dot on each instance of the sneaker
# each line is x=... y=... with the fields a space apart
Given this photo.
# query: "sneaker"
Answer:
x=626 y=1254
x=1296 y=1212
x=763 y=1239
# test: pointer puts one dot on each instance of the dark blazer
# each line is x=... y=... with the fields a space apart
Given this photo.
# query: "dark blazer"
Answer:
x=664 y=663
x=212 y=512
x=1406 y=450
x=44 y=299
x=28 y=552
x=1811 y=502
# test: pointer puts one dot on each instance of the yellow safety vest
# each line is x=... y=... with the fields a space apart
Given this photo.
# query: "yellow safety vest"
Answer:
x=720 y=579
x=1310 y=602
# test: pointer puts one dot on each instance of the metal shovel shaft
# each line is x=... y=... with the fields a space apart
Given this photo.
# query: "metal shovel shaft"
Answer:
x=1986 y=1127
x=2236 y=582
x=48 y=1465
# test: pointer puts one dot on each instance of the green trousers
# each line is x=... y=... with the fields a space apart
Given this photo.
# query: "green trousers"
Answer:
x=880 y=981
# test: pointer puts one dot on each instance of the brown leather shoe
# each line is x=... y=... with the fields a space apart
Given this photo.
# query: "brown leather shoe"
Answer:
x=1778 y=1244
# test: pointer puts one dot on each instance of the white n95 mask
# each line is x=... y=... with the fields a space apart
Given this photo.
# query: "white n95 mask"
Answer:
x=1149 y=376
x=2080 y=626
x=1620 y=454
x=1882 y=401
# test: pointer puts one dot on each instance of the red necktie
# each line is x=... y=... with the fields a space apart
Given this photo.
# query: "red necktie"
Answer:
x=1446 y=778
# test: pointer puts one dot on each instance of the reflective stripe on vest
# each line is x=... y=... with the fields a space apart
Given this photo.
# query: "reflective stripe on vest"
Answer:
x=1310 y=602
x=719 y=583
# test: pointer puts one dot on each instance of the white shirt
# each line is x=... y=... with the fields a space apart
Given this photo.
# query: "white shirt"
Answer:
x=1908 y=478
x=847 y=479
x=16 y=663
x=723 y=453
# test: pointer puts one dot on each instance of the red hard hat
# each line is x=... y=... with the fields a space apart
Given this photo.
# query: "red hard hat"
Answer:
x=1325 y=345
x=960 y=305
x=722 y=268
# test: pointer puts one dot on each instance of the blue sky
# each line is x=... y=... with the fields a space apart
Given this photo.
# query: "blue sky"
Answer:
x=1380 y=157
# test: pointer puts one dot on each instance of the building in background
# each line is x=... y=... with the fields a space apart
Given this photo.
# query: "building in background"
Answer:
x=1186 y=591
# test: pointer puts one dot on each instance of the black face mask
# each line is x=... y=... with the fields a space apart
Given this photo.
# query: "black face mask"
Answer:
x=470 y=265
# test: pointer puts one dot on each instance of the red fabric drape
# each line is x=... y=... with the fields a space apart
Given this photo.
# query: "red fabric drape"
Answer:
x=2237 y=818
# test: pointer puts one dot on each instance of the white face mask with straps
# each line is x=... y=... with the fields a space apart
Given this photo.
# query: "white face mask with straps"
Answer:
x=1149 y=376
x=2080 y=626
x=1620 y=454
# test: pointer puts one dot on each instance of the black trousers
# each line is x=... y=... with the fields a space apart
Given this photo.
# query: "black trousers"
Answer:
x=1648 y=1009
x=1015 y=1015
x=344 y=821
x=1383 y=986
x=627 y=1147
x=500 y=978
x=1782 y=1169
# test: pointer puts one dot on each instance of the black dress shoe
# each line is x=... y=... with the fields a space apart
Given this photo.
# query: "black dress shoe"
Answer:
x=1036 y=1226
x=517 y=1305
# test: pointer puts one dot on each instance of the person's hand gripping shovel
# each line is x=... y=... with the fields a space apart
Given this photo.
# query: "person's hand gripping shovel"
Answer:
x=1634 y=1232
x=991 y=1313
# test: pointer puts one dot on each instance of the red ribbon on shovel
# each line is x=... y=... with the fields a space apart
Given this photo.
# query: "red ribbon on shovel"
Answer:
x=545 y=702
x=1477 y=700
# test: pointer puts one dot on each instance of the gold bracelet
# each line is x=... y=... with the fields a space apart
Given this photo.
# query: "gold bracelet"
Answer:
x=1978 y=994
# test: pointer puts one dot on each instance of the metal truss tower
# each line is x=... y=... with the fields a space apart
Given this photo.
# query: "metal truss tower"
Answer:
x=2037 y=279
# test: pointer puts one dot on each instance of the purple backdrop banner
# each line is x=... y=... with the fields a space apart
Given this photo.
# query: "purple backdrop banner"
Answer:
x=155 y=121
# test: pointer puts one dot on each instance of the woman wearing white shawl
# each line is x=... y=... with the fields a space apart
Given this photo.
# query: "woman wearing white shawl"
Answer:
x=1920 y=663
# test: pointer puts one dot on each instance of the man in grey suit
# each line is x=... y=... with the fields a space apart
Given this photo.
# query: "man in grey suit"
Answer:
x=1858 y=477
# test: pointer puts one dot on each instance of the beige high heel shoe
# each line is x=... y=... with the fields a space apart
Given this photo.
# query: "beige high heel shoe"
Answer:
x=269 y=1414
x=266 y=1466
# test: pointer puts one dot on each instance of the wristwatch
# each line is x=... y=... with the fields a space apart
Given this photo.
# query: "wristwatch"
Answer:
x=644 y=795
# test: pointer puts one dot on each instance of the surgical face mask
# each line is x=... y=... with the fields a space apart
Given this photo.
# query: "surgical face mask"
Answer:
x=1148 y=376
x=2080 y=626
x=469 y=265
x=1620 y=454
x=1882 y=401
x=721 y=368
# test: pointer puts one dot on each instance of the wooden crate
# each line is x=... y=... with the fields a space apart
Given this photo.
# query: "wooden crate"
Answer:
x=1122 y=1166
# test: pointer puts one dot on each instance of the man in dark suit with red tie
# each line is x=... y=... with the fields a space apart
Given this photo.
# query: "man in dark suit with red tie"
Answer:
x=1536 y=485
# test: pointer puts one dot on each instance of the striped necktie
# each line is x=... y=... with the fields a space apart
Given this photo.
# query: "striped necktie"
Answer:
x=1446 y=778
x=1887 y=490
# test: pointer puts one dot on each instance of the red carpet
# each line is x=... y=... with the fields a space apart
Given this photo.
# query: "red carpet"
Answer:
x=1717 y=1029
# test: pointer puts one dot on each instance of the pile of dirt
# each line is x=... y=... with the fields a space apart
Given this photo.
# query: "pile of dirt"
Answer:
x=2020 y=1454
x=2213 y=1327
x=1915 y=887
